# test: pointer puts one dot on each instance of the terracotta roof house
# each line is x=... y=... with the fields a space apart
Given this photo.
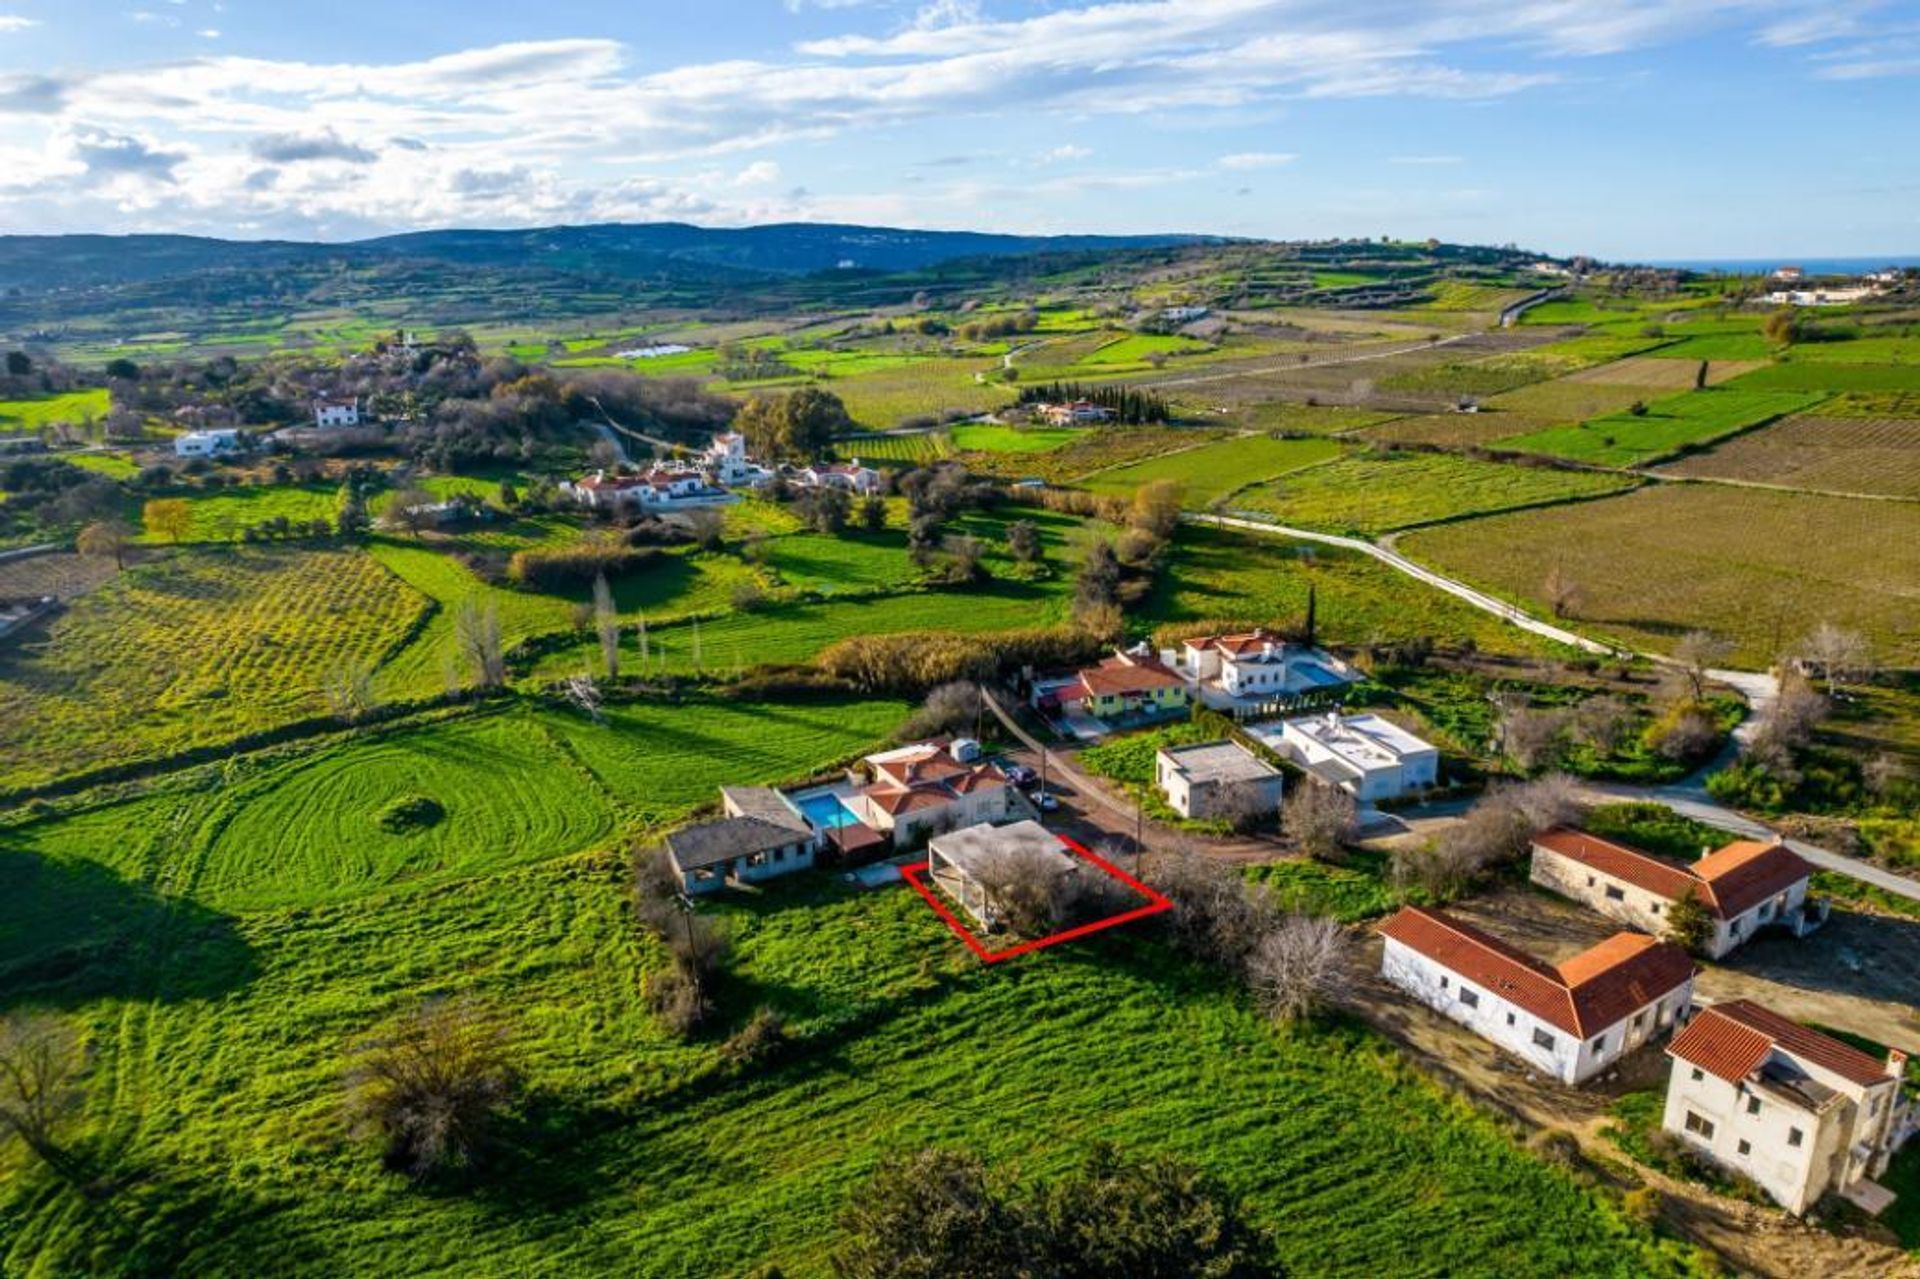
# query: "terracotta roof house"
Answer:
x=1260 y=665
x=1571 y=1021
x=920 y=790
x=1745 y=886
x=1800 y=1112
x=1126 y=686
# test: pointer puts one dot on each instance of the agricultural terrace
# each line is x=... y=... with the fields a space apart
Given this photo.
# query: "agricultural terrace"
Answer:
x=1839 y=454
x=1214 y=574
x=194 y=649
x=1760 y=568
x=1370 y=493
x=1697 y=417
x=1212 y=471
x=645 y=1150
x=75 y=408
x=992 y=438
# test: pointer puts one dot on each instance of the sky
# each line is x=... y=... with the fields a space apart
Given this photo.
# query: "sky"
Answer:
x=1626 y=129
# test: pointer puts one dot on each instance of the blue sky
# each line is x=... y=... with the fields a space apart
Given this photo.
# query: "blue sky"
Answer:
x=1622 y=128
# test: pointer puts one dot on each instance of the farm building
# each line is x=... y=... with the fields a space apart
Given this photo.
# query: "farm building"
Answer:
x=1184 y=314
x=1571 y=1021
x=1125 y=686
x=761 y=836
x=1211 y=779
x=1368 y=756
x=1745 y=886
x=207 y=443
x=1799 y=1112
x=336 y=413
x=965 y=863
x=1073 y=413
x=922 y=789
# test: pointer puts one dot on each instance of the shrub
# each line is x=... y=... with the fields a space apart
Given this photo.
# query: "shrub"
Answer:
x=677 y=1000
x=567 y=567
x=411 y=813
x=763 y=1039
x=433 y=1088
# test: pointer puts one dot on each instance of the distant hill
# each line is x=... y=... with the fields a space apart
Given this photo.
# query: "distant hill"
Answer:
x=43 y=262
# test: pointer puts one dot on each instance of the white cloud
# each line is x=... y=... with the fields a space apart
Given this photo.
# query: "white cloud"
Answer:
x=1256 y=160
x=208 y=33
x=759 y=173
x=16 y=22
x=1066 y=153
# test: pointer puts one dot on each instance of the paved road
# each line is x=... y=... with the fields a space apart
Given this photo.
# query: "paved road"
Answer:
x=1689 y=798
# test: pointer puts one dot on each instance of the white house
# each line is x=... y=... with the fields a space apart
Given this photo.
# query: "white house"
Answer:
x=1571 y=1021
x=1368 y=756
x=661 y=488
x=1207 y=779
x=727 y=462
x=1074 y=413
x=207 y=443
x=1257 y=665
x=1745 y=886
x=761 y=836
x=1184 y=314
x=336 y=413
x=1788 y=273
x=964 y=862
x=1836 y=296
x=922 y=789
x=1799 y=1112
x=851 y=476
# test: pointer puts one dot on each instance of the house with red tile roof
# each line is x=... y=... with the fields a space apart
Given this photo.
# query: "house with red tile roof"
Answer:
x=1125 y=686
x=1253 y=668
x=1571 y=1021
x=1800 y=1112
x=1745 y=886
x=922 y=790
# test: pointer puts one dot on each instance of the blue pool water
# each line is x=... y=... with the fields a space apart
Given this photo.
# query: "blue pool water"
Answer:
x=824 y=810
x=1319 y=676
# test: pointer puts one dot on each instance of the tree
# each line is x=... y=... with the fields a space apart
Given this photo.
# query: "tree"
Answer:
x=350 y=511
x=873 y=513
x=1531 y=738
x=1695 y=656
x=476 y=633
x=1098 y=583
x=1032 y=894
x=708 y=526
x=1601 y=723
x=1023 y=541
x=408 y=510
x=1214 y=918
x=168 y=517
x=348 y=688
x=800 y=424
x=1838 y=654
x=433 y=1087
x=1320 y=818
x=102 y=538
x=932 y=1215
x=967 y=556
x=606 y=623
x=1562 y=592
x=1783 y=327
x=1312 y=626
x=1684 y=732
x=1299 y=967
x=18 y=364
x=1157 y=1218
x=1156 y=508
x=1688 y=924
x=1244 y=806
x=827 y=508
x=40 y=1068
x=951 y=708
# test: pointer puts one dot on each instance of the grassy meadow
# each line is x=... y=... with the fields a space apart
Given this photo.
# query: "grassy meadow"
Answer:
x=1368 y=494
x=1212 y=471
x=74 y=408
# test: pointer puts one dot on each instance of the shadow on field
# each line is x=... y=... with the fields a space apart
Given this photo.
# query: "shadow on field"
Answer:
x=74 y=931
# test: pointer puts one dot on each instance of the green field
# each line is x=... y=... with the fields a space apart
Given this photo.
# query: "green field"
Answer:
x=1760 y=568
x=990 y=438
x=640 y=1155
x=1369 y=494
x=71 y=407
x=222 y=515
x=190 y=651
x=1212 y=471
x=1829 y=375
x=1669 y=425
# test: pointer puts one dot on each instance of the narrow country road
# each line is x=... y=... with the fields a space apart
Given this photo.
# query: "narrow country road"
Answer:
x=1688 y=798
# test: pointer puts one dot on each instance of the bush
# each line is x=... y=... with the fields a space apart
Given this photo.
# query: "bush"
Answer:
x=763 y=1039
x=411 y=813
x=568 y=567
x=433 y=1088
x=914 y=661
x=679 y=1002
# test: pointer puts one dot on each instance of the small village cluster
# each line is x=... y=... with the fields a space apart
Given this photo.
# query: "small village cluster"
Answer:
x=1799 y=1112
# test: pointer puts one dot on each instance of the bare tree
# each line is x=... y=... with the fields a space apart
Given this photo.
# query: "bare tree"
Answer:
x=1532 y=738
x=348 y=688
x=1601 y=723
x=1495 y=830
x=1244 y=806
x=104 y=538
x=40 y=1067
x=1029 y=889
x=1300 y=967
x=606 y=621
x=950 y=708
x=1562 y=592
x=1214 y=918
x=433 y=1086
x=1884 y=774
x=1697 y=653
x=1838 y=654
x=476 y=632
x=584 y=693
x=1320 y=818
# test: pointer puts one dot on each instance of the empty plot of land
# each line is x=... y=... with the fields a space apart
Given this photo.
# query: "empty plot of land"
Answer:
x=1842 y=454
x=1758 y=567
x=1376 y=493
x=1650 y=372
x=1664 y=427
x=1565 y=400
x=1456 y=429
x=1217 y=469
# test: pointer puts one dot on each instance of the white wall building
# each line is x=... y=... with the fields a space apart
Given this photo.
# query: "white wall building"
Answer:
x=1368 y=756
x=1205 y=780
x=922 y=790
x=762 y=836
x=1570 y=1021
x=1256 y=665
x=206 y=443
x=1745 y=886
x=336 y=413
x=1799 y=1112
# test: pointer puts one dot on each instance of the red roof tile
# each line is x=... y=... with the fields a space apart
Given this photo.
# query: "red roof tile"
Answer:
x=1728 y=882
x=1733 y=1039
x=1746 y=873
x=1127 y=675
x=1596 y=989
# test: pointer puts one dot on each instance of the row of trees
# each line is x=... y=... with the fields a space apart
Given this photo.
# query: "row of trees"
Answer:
x=1130 y=406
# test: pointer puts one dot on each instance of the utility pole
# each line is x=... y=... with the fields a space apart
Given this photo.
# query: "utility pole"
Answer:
x=684 y=904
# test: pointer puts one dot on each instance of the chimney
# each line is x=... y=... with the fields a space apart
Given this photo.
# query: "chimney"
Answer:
x=1896 y=1063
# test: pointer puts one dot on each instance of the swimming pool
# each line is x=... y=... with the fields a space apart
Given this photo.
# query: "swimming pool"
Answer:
x=824 y=809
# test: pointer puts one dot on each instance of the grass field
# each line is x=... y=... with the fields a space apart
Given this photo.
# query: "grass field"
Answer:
x=1216 y=574
x=1821 y=375
x=222 y=515
x=1212 y=471
x=193 y=650
x=1760 y=568
x=219 y=1072
x=928 y=446
x=1369 y=494
x=1097 y=450
x=72 y=407
x=990 y=438
x=1841 y=454
x=1696 y=417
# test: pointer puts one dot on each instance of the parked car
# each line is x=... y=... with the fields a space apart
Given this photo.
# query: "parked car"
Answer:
x=1022 y=776
x=1047 y=803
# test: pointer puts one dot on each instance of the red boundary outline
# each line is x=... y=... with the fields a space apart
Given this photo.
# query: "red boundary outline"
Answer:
x=1156 y=904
